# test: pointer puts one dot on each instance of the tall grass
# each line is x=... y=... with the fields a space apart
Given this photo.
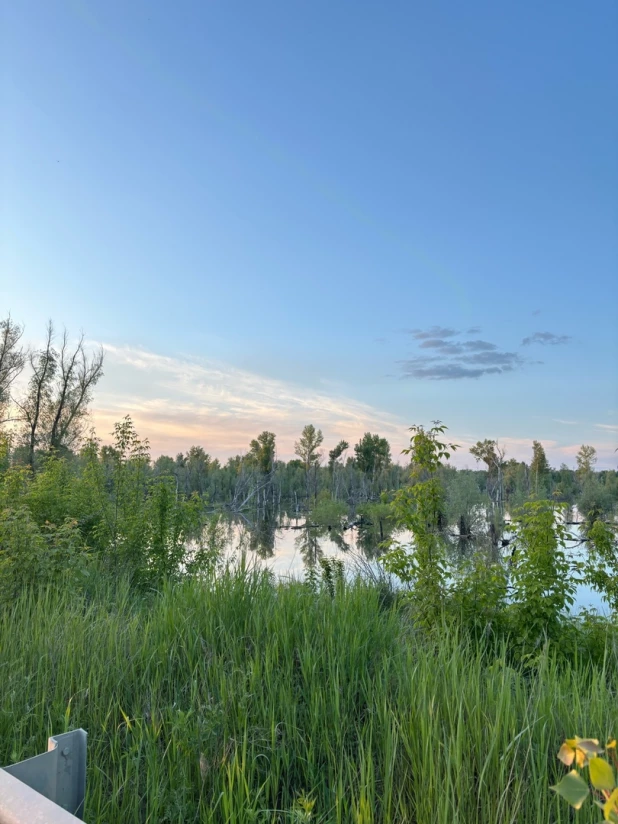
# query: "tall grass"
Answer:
x=227 y=701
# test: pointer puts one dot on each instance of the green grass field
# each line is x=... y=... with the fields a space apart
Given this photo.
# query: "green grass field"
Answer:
x=245 y=701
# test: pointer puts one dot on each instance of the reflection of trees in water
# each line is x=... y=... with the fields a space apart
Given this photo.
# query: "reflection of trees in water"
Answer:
x=307 y=544
x=338 y=539
x=258 y=535
x=467 y=537
x=263 y=536
x=369 y=538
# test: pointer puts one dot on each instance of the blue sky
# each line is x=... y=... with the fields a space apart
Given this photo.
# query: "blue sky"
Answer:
x=281 y=212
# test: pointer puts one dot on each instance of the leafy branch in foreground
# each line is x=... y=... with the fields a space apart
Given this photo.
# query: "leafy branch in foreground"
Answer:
x=419 y=508
x=586 y=752
x=543 y=586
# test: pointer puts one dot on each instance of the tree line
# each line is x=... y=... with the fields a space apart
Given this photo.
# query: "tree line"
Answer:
x=47 y=414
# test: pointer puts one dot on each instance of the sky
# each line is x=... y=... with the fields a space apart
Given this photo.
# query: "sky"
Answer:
x=361 y=215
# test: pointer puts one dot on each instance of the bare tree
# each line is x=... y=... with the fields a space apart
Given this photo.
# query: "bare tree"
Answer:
x=12 y=361
x=76 y=377
x=59 y=392
x=43 y=364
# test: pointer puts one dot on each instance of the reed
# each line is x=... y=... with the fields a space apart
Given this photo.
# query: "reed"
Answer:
x=242 y=700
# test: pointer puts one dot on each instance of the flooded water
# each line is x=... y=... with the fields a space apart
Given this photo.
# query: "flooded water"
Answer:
x=288 y=549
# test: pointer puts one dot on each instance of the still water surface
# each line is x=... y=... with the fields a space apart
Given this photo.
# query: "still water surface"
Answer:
x=288 y=549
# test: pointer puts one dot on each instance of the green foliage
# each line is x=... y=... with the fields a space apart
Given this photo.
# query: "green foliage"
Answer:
x=31 y=555
x=231 y=698
x=479 y=593
x=601 y=565
x=464 y=503
x=596 y=500
x=586 y=459
x=107 y=506
x=492 y=455
x=262 y=452
x=328 y=512
x=419 y=508
x=539 y=469
x=372 y=454
x=541 y=575
x=336 y=453
x=307 y=447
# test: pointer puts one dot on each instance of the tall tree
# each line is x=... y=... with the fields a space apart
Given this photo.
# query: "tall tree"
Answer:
x=307 y=448
x=586 y=459
x=539 y=466
x=373 y=454
x=76 y=377
x=262 y=452
x=58 y=394
x=12 y=360
x=516 y=482
x=37 y=403
x=492 y=454
x=333 y=463
x=335 y=454
x=197 y=465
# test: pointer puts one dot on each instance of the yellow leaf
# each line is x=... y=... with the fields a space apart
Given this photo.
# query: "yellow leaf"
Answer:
x=601 y=774
x=566 y=754
x=610 y=805
x=611 y=745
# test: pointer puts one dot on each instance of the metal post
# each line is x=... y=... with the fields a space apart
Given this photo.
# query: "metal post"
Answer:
x=57 y=776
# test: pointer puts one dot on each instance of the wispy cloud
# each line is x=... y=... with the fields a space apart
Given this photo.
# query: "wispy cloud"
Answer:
x=608 y=427
x=445 y=347
x=446 y=371
x=546 y=339
x=176 y=402
x=566 y=423
x=448 y=359
x=479 y=345
x=434 y=332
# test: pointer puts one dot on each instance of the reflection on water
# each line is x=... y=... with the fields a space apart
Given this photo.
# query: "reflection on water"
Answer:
x=288 y=548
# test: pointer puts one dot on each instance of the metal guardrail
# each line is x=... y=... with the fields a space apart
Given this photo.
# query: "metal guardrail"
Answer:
x=50 y=787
